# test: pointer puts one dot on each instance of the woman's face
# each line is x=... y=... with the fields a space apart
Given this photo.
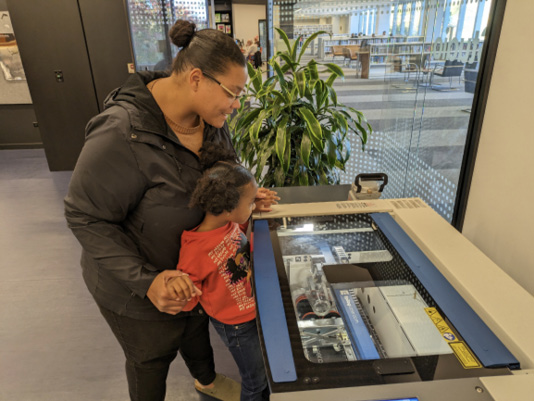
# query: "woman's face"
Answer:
x=218 y=99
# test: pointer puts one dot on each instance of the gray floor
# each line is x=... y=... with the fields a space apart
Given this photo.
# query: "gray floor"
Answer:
x=54 y=345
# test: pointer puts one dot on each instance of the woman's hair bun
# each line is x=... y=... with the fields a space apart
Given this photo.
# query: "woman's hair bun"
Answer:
x=182 y=32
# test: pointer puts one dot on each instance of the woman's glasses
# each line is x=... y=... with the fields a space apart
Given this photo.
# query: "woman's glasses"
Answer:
x=232 y=94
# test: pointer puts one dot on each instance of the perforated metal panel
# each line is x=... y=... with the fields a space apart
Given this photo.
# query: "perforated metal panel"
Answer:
x=409 y=176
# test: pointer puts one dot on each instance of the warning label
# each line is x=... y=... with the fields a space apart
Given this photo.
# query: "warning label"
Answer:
x=460 y=349
x=464 y=355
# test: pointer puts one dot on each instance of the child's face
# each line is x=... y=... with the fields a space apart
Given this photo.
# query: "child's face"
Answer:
x=246 y=204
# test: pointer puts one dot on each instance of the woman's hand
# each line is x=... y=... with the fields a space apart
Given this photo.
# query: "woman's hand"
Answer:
x=264 y=199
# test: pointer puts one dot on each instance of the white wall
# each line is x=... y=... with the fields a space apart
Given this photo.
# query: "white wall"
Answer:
x=336 y=25
x=246 y=18
x=382 y=23
x=500 y=210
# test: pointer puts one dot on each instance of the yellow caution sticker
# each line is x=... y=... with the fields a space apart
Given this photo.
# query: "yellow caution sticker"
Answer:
x=465 y=355
x=460 y=349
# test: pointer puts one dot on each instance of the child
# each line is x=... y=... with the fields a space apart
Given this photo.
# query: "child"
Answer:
x=215 y=260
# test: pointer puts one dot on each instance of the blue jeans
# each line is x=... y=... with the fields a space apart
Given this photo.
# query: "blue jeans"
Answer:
x=244 y=344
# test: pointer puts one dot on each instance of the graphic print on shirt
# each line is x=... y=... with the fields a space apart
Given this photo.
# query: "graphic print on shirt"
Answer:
x=233 y=265
x=239 y=268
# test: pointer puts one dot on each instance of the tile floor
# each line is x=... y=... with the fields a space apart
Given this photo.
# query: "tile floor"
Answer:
x=54 y=344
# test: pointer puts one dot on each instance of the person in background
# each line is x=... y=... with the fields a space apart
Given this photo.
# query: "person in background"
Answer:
x=215 y=260
x=250 y=50
x=127 y=204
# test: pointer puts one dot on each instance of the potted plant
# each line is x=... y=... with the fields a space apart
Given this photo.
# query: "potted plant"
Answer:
x=294 y=131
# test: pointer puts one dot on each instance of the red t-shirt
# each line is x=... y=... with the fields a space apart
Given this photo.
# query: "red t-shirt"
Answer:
x=218 y=262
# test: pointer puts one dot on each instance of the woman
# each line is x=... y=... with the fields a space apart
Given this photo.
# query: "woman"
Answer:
x=127 y=205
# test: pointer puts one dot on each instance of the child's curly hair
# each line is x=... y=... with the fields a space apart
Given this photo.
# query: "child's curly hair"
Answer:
x=221 y=184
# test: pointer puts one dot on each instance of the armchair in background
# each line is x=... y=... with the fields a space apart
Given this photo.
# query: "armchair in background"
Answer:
x=337 y=51
x=351 y=54
x=417 y=64
x=451 y=68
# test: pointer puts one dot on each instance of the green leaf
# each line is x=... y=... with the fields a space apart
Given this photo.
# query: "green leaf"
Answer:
x=280 y=96
x=264 y=154
x=308 y=94
x=319 y=94
x=359 y=114
x=330 y=150
x=281 y=133
x=289 y=63
x=287 y=155
x=294 y=49
x=342 y=124
x=347 y=152
x=293 y=93
x=312 y=124
x=255 y=77
x=305 y=149
x=255 y=128
x=334 y=69
x=333 y=95
x=279 y=74
x=347 y=115
x=284 y=38
x=363 y=132
x=307 y=42
x=317 y=145
x=314 y=74
x=301 y=82
x=279 y=176
x=246 y=119
x=323 y=179
x=276 y=110
x=269 y=85
x=303 y=179
x=330 y=80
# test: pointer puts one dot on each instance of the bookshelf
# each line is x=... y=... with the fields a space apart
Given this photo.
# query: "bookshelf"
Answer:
x=383 y=50
x=307 y=30
x=223 y=22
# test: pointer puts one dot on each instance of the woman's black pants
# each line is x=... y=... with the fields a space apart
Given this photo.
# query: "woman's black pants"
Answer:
x=151 y=345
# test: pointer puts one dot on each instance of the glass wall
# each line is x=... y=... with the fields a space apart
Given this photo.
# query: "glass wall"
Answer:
x=424 y=63
x=150 y=21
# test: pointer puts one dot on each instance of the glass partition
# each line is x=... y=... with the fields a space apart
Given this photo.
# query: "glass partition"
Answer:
x=150 y=21
x=417 y=92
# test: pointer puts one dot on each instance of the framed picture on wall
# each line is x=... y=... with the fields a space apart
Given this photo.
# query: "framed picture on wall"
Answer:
x=229 y=29
x=10 y=62
x=220 y=27
x=217 y=17
x=225 y=17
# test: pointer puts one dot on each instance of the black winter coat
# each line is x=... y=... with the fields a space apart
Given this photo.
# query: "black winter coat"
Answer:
x=128 y=198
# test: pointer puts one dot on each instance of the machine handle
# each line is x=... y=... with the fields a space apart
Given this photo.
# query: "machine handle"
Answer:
x=371 y=177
